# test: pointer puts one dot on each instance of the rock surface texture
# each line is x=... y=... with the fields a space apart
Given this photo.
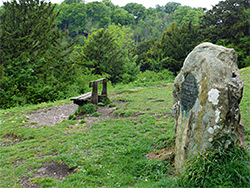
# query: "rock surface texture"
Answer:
x=207 y=93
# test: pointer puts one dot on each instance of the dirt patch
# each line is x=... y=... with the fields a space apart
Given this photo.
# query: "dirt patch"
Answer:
x=158 y=100
x=52 y=169
x=162 y=115
x=163 y=154
x=52 y=116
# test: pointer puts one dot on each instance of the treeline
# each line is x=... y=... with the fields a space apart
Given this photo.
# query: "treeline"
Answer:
x=50 y=52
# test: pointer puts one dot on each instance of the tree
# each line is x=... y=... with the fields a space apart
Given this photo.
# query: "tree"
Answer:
x=109 y=4
x=72 y=17
x=28 y=30
x=228 y=23
x=73 y=1
x=138 y=10
x=170 y=7
x=31 y=53
x=141 y=50
x=121 y=16
x=105 y=52
x=98 y=14
x=174 y=46
x=186 y=14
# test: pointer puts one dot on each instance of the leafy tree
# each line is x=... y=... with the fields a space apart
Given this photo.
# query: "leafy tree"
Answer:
x=73 y=1
x=121 y=16
x=186 y=14
x=151 y=27
x=170 y=7
x=99 y=15
x=109 y=4
x=138 y=10
x=72 y=17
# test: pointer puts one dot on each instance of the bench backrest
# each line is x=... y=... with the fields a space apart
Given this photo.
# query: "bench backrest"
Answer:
x=94 y=84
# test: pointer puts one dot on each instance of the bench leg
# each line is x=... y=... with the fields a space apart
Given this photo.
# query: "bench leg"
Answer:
x=95 y=93
x=104 y=88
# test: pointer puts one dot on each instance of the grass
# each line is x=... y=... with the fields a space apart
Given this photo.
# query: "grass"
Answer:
x=111 y=153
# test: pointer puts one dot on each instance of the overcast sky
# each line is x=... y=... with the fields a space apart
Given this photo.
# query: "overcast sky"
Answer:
x=151 y=3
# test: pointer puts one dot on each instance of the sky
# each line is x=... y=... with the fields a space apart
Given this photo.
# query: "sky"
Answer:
x=151 y=3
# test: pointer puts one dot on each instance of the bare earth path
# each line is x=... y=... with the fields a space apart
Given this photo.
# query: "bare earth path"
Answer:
x=52 y=116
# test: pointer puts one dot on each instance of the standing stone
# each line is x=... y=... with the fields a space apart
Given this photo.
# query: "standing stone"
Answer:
x=207 y=93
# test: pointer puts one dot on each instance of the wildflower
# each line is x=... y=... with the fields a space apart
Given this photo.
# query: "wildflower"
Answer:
x=191 y=167
x=215 y=161
x=146 y=179
x=200 y=168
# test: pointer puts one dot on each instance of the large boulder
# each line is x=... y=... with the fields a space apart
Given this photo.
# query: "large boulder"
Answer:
x=207 y=93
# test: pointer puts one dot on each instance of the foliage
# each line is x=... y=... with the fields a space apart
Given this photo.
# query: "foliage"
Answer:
x=98 y=14
x=86 y=109
x=186 y=14
x=138 y=10
x=169 y=8
x=33 y=68
x=218 y=167
x=152 y=76
x=229 y=22
x=23 y=35
x=174 y=46
x=72 y=17
x=121 y=16
x=106 y=52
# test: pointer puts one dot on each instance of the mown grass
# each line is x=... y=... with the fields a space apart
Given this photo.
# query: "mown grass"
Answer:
x=111 y=153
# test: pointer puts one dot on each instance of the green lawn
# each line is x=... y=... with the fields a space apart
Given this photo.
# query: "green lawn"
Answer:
x=111 y=153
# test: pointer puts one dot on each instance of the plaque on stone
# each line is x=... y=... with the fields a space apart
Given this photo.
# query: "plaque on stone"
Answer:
x=189 y=93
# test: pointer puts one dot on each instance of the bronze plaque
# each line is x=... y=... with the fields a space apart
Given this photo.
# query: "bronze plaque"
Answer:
x=189 y=93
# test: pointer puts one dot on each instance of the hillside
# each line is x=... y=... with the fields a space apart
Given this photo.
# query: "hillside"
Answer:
x=131 y=148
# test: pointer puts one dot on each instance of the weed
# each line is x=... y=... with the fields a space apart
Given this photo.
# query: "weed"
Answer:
x=112 y=105
x=72 y=117
x=96 y=114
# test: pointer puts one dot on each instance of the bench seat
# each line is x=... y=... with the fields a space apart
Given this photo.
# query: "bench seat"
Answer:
x=81 y=99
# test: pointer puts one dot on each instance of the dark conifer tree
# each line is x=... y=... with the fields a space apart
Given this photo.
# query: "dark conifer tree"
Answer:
x=31 y=54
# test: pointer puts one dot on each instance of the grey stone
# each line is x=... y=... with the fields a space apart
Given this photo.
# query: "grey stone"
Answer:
x=207 y=93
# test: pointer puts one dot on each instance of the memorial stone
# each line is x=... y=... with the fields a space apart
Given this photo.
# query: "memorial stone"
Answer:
x=207 y=93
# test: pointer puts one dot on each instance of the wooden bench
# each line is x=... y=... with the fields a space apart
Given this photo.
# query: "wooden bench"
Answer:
x=93 y=97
